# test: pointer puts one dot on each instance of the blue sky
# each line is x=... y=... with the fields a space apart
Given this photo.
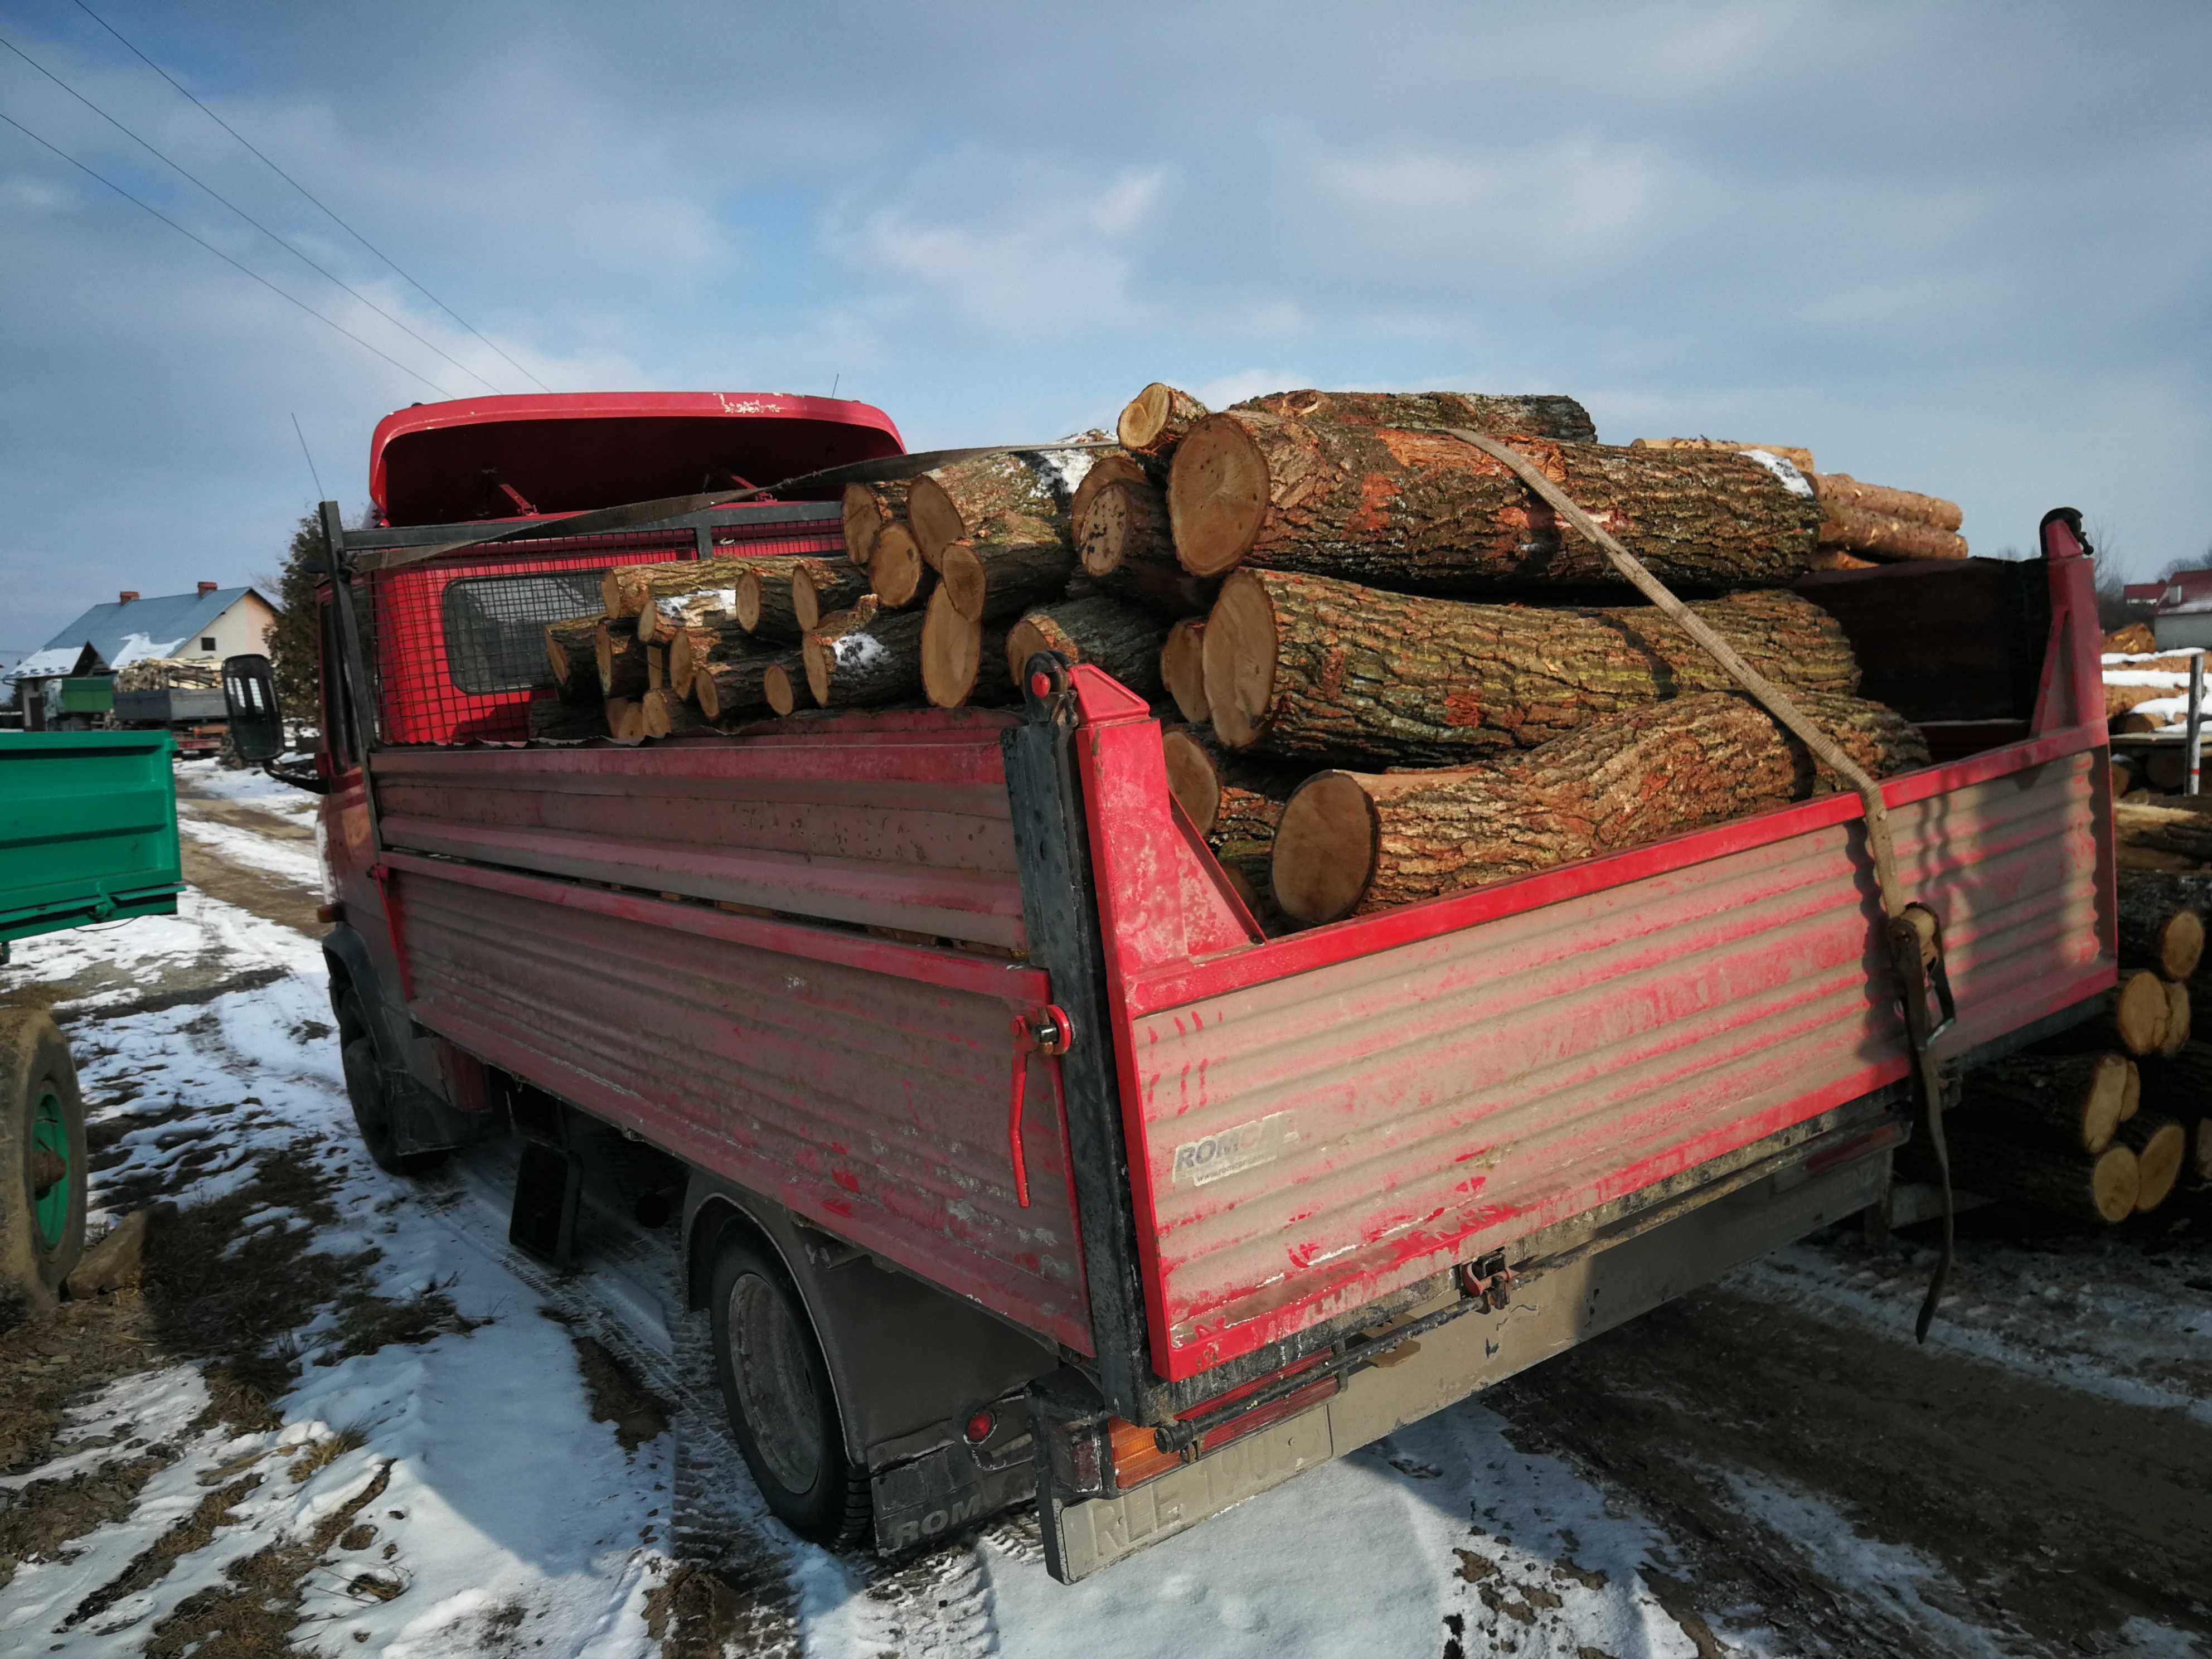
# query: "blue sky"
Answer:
x=1959 y=249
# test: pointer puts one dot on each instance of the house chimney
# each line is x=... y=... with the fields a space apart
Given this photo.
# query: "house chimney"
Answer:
x=128 y=594
x=207 y=588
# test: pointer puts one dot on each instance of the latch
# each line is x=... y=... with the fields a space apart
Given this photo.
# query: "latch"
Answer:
x=1047 y=1031
x=1488 y=1280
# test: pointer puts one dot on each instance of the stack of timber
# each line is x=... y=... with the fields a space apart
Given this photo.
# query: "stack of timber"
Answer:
x=170 y=674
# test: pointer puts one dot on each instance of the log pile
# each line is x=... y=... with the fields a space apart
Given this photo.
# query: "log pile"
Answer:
x=170 y=674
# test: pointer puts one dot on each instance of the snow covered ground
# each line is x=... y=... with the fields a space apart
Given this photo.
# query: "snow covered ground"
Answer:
x=345 y=1415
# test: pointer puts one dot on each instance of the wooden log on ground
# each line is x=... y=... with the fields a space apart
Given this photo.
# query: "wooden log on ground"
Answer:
x=2074 y=1101
x=897 y=574
x=1352 y=842
x=626 y=587
x=1154 y=421
x=1183 y=668
x=1800 y=458
x=865 y=509
x=960 y=657
x=560 y=719
x=1123 y=640
x=625 y=719
x=1126 y=549
x=989 y=581
x=732 y=681
x=1425 y=512
x=1841 y=490
x=2157 y=931
x=620 y=658
x=666 y=715
x=2161 y=1145
x=2098 y=1187
x=572 y=651
x=1879 y=536
x=990 y=498
x=1309 y=667
x=864 y=656
x=1536 y=416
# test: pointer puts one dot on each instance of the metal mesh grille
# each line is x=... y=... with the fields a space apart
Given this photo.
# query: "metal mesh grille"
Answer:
x=495 y=625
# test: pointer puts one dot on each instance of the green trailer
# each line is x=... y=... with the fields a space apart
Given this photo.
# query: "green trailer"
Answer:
x=87 y=833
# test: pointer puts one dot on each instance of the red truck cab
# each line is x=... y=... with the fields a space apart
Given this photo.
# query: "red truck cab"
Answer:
x=1004 y=1154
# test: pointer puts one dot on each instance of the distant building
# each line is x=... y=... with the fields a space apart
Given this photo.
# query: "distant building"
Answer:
x=2142 y=599
x=2183 y=617
x=213 y=623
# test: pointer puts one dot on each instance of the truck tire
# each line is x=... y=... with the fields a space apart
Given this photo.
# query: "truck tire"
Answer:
x=775 y=1388
x=374 y=1112
x=42 y=1158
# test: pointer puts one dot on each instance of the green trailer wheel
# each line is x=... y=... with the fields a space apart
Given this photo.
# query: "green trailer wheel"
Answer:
x=42 y=1158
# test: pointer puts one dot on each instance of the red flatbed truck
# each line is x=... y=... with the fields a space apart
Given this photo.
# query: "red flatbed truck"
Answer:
x=1104 y=1197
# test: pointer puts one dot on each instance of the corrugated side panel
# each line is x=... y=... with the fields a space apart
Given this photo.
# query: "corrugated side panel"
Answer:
x=895 y=829
x=1314 y=1141
x=872 y=1103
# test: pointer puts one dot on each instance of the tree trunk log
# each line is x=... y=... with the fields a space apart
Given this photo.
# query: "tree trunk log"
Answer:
x=1154 y=421
x=988 y=580
x=1128 y=551
x=1537 y=416
x=562 y=720
x=1222 y=791
x=667 y=716
x=1836 y=489
x=2098 y=1187
x=1183 y=668
x=867 y=508
x=687 y=649
x=862 y=656
x=960 y=657
x=1110 y=466
x=2131 y=1018
x=2161 y=1148
x=731 y=680
x=896 y=575
x=2157 y=929
x=2178 y=1018
x=997 y=498
x=1799 y=458
x=1879 y=536
x=1123 y=640
x=572 y=649
x=626 y=587
x=656 y=667
x=625 y=719
x=621 y=660
x=780 y=685
x=821 y=588
x=1352 y=842
x=667 y=612
x=1834 y=558
x=772 y=604
x=1311 y=668
x=2074 y=1101
x=1426 y=513
x=2179 y=1085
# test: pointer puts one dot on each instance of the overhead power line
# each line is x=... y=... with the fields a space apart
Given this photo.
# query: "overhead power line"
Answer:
x=328 y=212
x=291 y=299
x=185 y=172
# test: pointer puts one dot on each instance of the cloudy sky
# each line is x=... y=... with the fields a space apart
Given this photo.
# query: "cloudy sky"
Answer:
x=1959 y=249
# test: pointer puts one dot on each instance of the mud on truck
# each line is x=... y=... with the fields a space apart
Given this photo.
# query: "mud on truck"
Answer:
x=997 y=1154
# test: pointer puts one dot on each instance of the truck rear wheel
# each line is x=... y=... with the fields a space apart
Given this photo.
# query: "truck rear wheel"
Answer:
x=775 y=1386
x=370 y=1094
x=42 y=1158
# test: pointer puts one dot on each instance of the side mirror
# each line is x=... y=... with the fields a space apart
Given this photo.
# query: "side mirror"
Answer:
x=249 y=696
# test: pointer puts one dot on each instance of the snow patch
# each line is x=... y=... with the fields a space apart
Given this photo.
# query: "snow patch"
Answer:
x=1792 y=480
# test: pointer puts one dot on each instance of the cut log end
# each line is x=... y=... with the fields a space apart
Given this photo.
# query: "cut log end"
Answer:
x=896 y=571
x=748 y=600
x=1182 y=669
x=961 y=574
x=2161 y=1148
x=2140 y=1012
x=1217 y=496
x=2180 y=945
x=1237 y=659
x=2176 y=1032
x=776 y=687
x=951 y=650
x=1192 y=779
x=1325 y=848
x=1153 y=419
x=2115 y=1183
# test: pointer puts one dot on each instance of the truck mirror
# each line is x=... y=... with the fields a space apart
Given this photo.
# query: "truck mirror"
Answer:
x=249 y=696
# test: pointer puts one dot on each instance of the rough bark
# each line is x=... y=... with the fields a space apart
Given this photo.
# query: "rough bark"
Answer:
x=863 y=656
x=1799 y=458
x=1128 y=551
x=626 y=587
x=1121 y=638
x=1541 y=416
x=2155 y=931
x=1183 y=668
x=1879 y=536
x=1355 y=843
x=1312 y=668
x=2074 y=1101
x=821 y=588
x=960 y=657
x=1222 y=791
x=2120 y=699
x=1110 y=466
x=2098 y=1187
x=1004 y=498
x=572 y=650
x=896 y=575
x=2164 y=829
x=731 y=679
x=621 y=660
x=559 y=720
x=2162 y=1146
x=1425 y=512
x=769 y=605
x=988 y=580
x=1154 y=421
x=625 y=719
x=667 y=716
x=1838 y=489
x=867 y=508
x=667 y=612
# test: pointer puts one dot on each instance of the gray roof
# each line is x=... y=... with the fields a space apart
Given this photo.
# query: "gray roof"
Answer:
x=120 y=633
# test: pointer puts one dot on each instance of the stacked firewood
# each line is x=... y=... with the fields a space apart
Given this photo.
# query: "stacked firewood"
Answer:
x=1862 y=524
x=170 y=674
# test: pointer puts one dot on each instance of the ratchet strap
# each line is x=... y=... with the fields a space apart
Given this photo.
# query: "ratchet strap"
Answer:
x=1912 y=933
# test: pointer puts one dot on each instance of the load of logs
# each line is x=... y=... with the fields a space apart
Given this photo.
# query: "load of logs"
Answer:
x=170 y=674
